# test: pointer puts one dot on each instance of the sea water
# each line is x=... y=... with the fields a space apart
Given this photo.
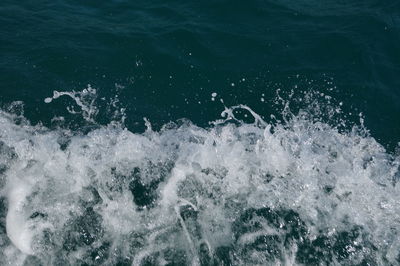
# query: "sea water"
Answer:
x=212 y=132
x=239 y=192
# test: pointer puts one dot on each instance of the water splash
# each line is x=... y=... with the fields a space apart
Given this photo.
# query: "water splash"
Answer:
x=297 y=191
x=85 y=99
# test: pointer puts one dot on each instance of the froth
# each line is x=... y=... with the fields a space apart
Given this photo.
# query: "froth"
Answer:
x=296 y=192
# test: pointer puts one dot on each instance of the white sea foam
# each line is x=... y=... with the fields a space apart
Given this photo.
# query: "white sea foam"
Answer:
x=297 y=192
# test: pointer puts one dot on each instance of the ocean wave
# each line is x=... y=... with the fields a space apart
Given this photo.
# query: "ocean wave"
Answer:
x=296 y=190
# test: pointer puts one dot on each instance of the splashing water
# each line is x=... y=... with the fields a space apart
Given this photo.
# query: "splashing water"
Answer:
x=298 y=191
x=85 y=99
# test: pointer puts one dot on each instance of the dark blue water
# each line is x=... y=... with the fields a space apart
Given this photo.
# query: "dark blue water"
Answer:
x=322 y=77
x=204 y=47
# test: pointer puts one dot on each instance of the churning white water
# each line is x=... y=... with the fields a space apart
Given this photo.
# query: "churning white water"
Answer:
x=293 y=192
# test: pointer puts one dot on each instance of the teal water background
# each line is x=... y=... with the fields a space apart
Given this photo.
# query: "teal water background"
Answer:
x=170 y=56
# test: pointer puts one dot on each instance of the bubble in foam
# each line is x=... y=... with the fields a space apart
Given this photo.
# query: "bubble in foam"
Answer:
x=48 y=100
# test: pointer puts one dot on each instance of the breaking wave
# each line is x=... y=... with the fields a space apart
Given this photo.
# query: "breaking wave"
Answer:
x=296 y=190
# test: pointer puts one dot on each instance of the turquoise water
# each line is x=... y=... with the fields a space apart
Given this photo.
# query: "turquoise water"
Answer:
x=199 y=133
